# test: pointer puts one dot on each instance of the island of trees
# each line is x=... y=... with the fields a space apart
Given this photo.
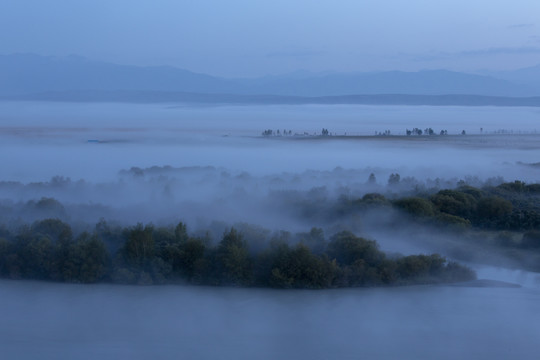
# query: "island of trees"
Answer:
x=47 y=250
x=495 y=219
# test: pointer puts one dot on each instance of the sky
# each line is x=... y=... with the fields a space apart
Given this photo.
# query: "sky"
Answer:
x=247 y=38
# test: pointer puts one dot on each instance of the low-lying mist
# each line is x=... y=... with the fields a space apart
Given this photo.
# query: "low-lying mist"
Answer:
x=93 y=141
x=165 y=194
x=108 y=175
x=211 y=200
x=209 y=166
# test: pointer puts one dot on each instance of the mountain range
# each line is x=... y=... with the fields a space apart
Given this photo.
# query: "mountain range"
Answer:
x=72 y=78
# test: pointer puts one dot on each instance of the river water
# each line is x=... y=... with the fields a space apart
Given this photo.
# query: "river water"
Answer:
x=60 y=321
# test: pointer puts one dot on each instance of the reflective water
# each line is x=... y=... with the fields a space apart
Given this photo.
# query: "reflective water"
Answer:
x=54 y=321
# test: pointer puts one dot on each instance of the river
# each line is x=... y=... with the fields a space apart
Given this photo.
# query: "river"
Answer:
x=62 y=321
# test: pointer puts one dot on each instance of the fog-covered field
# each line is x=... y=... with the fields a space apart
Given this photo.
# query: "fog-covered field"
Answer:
x=52 y=139
x=210 y=165
x=158 y=163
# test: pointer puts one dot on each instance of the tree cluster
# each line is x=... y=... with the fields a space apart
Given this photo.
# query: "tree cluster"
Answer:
x=148 y=255
x=270 y=132
x=509 y=206
x=427 y=131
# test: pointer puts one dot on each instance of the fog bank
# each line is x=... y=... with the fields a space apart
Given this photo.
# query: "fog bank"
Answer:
x=94 y=141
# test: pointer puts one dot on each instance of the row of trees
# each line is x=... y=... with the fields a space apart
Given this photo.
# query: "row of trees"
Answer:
x=141 y=254
x=427 y=131
x=270 y=132
x=512 y=206
x=325 y=132
x=509 y=206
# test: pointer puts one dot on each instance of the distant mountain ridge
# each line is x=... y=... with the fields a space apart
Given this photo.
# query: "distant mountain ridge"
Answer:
x=24 y=74
x=529 y=75
x=427 y=82
x=28 y=73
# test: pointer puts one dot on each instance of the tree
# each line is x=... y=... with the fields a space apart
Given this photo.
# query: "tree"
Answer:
x=415 y=206
x=180 y=232
x=347 y=248
x=5 y=250
x=314 y=240
x=299 y=268
x=36 y=257
x=393 y=179
x=49 y=207
x=493 y=209
x=455 y=202
x=87 y=260
x=360 y=260
x=233 y=259
x=420 y=267
x=139 y=248
x=55 y=229
x=187 y=259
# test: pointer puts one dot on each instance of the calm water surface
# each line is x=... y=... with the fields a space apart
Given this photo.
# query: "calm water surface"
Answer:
x=58 y=321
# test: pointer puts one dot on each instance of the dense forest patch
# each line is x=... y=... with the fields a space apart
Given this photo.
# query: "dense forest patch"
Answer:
x=47 y=250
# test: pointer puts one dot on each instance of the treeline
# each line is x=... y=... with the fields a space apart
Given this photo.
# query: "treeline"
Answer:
x=508 y=206
x=427 y=131
x=48 y=250
x=512 y=206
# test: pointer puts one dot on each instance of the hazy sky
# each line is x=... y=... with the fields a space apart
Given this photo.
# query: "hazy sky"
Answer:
x=250 y=37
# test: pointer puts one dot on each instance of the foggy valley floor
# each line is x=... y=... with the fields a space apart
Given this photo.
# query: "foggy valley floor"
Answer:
x=208 y=167
x=471 y=199
x=269 y=180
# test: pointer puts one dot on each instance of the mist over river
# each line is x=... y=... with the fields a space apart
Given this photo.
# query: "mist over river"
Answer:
x=212 y=162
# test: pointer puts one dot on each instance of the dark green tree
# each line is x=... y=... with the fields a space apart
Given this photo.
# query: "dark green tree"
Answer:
x=139 y=248
x=87 y=260
x=233 y=259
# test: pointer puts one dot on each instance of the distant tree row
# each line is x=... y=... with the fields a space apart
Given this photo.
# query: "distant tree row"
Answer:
x=325 y=132
x=147 y=255
x=270 y=132
x=427 y=131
